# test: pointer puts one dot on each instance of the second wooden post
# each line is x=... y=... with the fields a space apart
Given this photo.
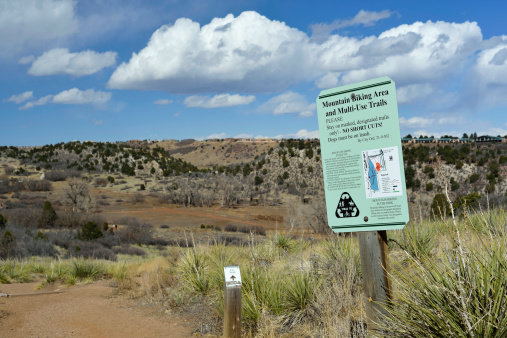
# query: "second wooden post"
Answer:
x=375 y=270
x=232 y=302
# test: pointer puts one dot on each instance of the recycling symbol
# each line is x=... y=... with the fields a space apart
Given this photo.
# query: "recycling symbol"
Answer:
x=346 y=207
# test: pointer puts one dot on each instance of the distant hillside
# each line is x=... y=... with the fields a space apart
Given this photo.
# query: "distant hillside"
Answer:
x=210 y=153
x=264 y=170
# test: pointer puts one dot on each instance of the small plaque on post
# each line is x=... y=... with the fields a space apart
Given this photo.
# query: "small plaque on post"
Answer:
x=232 y=276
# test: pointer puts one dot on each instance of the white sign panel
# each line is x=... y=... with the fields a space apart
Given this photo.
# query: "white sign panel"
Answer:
x=232 y=276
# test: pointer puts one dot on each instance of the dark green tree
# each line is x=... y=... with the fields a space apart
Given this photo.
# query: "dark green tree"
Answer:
x=440 y=206
x=258 y=180
x=91 y=231
x=3 y=221
x=48 y=217
x=8 y=245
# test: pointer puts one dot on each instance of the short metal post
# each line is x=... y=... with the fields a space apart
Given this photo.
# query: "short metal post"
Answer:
x=232 y=302
x=375 y=270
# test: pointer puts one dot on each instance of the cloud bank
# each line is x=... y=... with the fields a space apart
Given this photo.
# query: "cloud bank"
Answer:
x=217 y=101
x=27 y=24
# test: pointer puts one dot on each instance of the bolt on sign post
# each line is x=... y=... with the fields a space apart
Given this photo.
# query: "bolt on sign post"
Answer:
x=364 y=177
x=232 y=302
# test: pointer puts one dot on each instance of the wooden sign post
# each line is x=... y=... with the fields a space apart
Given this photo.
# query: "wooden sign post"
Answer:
x=232 y=302
x=364 y=177
x=375 y=269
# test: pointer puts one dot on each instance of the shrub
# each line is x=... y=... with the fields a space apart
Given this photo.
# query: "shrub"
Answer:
x=440 y=206
x=8 y=242
x=129 y=250
x=258 y=180
x=230 y=228
x=454 y=184
x=134 y=231
x=110 y=179
x=91 y=231
x=3 y=221
x=429 y=186
x=48 y=216
x=38 y=185
x=61 y=175
x=101 y=181
x=474 y=178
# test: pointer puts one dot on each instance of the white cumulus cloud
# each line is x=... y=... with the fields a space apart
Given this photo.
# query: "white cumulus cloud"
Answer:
x=251 y=53
x=248 y=53
x=61 y=61
x=288 y=103
x=217 y=101
x=71 y=96
x=76 y=96
x=28 y=24
x=20 y=98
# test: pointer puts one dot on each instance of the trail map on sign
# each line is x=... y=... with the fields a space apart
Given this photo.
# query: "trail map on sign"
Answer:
x=382 y=172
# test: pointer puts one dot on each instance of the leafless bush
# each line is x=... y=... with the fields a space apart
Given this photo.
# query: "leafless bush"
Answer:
x=229 y=240
x=164 y=198
x=90 y=249
x=61 y=175
x=9 y=170
x=101 y=181
x=26 y=243
x=38 y=185
x=70 y=219
x=134 y=231
x=137 y=198
x=23 y=217
x=129 y=250
x=62 y=238
x=230 y=228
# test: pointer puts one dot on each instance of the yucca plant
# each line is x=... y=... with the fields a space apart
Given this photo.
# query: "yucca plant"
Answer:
x=86 y=268
x=300 y=295
x=194 y=268
x=283 y=242
x=419 y=240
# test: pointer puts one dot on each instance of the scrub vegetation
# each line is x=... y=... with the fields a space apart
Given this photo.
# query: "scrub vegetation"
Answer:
x=75 y=224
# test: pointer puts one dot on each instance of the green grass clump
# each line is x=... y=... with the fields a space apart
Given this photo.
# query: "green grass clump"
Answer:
x=86 y=269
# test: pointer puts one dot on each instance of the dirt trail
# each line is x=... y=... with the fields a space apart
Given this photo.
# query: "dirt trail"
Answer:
x=82 y=311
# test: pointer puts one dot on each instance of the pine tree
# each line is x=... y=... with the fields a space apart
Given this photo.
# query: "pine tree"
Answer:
x=48 y=217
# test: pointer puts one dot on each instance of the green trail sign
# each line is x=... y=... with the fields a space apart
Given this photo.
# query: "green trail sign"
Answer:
x=364 y=177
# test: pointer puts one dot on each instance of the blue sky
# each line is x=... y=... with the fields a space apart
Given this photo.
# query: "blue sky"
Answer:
x=117 y=70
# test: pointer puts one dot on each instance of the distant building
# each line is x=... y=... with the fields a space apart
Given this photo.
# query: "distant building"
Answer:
x=489 y=138
x=425 y=140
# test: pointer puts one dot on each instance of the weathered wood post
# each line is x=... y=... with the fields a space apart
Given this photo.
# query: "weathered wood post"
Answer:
x=232 y=302
x=375 y=270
